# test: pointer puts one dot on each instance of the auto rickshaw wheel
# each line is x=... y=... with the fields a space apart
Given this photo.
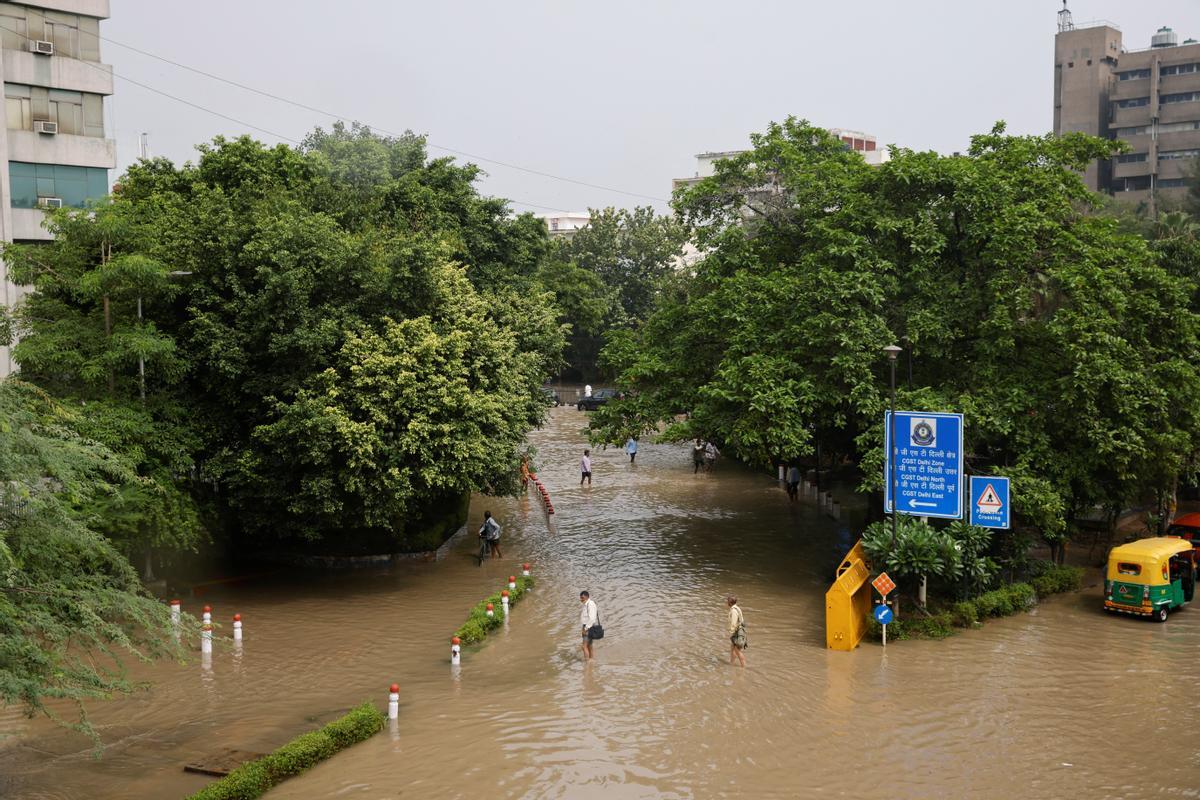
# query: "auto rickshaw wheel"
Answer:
x=1161 y=614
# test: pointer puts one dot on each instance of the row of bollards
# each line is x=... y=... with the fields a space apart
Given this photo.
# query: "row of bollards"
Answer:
x=206 y=626
x=541 y=487
x=808 y=489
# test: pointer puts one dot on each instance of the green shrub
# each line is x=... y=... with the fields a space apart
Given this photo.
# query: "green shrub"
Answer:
x=964 y=614
x=255 y=778
x=937 y=626
x=1055 y=580
x=479 y=624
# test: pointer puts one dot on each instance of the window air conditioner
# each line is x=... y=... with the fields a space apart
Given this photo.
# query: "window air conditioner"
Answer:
x=42 y=47
x=44 y=126
x=49 y=202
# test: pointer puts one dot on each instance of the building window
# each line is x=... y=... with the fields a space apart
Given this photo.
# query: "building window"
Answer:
x=75 y=185
x=1131 y=158
x=1179 y=69
x=1171 y=155
x=1133 y=102
x=1137 y=130
x=1180 y=97
x=79 y=113
x=73 y=35
x=1171 y=183
x=1137 y=183
x=1133 y=75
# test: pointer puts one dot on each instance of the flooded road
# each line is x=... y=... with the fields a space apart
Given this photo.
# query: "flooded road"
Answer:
x=1064 y=702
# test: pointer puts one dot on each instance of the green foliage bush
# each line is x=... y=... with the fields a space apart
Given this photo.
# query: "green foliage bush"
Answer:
x=254 y=779
x=1005 y=601
x=1056 y=579
x=479 y=624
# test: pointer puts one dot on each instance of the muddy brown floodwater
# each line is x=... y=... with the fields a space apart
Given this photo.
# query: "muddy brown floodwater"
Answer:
x=1060 y=703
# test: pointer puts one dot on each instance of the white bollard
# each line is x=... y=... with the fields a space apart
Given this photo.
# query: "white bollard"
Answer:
x=207 y=615
x=237 y=627
x=455 y=652
x=491 y=612
x=394 y=701
x=504 y=602
x=781 y=473
x=176 y=613
x=512 y=582
x=525 y=570
x=206 y=639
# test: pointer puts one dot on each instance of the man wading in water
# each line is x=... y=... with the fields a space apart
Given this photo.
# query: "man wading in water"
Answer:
x=589 y=620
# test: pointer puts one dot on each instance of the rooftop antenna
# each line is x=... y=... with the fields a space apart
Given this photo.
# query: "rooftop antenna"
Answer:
x=1065 y=23
x=144 y=145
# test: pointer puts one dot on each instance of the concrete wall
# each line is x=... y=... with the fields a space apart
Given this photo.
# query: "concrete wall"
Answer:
x=63 y=148
x=57 y=73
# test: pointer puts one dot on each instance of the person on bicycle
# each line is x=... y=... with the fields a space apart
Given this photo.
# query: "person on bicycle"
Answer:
x=490 y=533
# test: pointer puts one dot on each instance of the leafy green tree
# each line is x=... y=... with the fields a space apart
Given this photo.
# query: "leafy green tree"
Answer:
x=72 y=610
x=1069 y=347
x=632 y=252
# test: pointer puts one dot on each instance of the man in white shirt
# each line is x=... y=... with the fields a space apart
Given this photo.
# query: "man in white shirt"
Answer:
x=585 y=468
x=589 y=617
x=587 y=390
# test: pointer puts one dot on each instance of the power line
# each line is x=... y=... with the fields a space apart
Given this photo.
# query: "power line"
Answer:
x=242 y=122
x=331 y=114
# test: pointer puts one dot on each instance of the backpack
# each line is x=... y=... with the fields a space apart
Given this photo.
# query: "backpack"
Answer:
x=492 y=529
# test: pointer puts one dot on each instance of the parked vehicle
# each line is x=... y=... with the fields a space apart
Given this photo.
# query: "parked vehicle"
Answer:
x=1150 y=577
x=551 y=396
x=598 y=398
x=1187 y=527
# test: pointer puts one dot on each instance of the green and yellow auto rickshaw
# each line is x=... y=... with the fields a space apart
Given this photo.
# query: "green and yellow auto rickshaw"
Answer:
x=1150 y=577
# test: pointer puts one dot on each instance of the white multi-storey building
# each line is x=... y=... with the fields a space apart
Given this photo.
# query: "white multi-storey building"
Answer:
x=565 y=223
x=55 y=148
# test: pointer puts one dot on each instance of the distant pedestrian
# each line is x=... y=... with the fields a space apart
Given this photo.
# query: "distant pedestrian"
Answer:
x=631 y=447
x=525 y=476
x=589 y=622
x=737 y=632
x=587 y=390
x=710 y=456
x=490 y=533
x=697 y=456
x=793 y=482
x=585 y=468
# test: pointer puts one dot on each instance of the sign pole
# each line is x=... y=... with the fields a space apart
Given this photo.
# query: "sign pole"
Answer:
x=892 y=452
x=885 y=624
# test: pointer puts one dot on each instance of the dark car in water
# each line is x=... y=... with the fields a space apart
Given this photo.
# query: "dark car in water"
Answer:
x=598 y=398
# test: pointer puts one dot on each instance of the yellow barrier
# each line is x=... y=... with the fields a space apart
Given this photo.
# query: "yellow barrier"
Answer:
x=848 y=602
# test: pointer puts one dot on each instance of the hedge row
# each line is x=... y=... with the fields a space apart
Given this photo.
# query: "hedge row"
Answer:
x=252 y=779
x=1002 y=602
x=479 y=624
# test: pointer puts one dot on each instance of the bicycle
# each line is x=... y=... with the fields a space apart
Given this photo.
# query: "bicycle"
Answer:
x=485 y=550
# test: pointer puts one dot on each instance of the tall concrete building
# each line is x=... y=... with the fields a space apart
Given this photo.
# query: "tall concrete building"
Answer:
x=56 y=150
x=1149 y=98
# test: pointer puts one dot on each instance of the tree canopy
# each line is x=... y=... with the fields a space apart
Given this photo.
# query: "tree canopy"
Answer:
x=1068 y=345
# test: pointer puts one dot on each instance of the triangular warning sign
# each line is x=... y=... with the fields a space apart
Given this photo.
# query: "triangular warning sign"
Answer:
x=989 y=501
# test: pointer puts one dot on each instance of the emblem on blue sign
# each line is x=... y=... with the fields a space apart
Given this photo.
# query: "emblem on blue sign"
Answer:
x=923 y=432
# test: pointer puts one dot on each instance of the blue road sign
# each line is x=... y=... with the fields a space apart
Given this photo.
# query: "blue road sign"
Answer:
x=929 y=464
x=883 y=614
x=989 y=502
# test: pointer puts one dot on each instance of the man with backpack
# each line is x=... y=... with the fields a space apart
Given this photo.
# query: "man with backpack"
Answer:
x=490 y=533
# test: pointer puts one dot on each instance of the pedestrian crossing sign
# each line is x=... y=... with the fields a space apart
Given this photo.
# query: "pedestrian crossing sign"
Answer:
x=989 y=501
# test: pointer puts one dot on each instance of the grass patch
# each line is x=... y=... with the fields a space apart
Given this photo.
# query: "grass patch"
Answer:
x=254 y=778
x=479 y=624
x=1007 y=600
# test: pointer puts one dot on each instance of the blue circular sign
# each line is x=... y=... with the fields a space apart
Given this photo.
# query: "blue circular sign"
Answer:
x=883 y=614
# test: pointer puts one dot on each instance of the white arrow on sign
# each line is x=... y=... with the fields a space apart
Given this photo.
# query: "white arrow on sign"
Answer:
x=915 y=504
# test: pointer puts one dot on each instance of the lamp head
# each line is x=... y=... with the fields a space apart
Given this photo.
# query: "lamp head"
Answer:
x=892 y=351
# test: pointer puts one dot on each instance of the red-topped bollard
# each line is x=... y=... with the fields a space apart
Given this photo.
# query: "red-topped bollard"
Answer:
x=176 y=612
x=237 y=627
x=394 y=701
x=504 y=602
x=525 y=570
x=206 y=616
x=491 y=611
x=206 y=639
x=512 y=581
x=455 y=650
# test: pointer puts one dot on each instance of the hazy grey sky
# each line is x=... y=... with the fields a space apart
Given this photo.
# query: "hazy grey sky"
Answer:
x=617 y=93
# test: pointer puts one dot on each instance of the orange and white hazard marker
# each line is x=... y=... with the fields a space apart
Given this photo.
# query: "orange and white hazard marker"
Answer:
x=455 y=651
x=394 y=701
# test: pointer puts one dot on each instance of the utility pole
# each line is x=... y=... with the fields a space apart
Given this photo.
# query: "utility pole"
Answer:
x=892 y=351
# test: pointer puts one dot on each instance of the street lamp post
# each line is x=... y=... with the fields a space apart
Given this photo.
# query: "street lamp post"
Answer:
x=892 y=351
